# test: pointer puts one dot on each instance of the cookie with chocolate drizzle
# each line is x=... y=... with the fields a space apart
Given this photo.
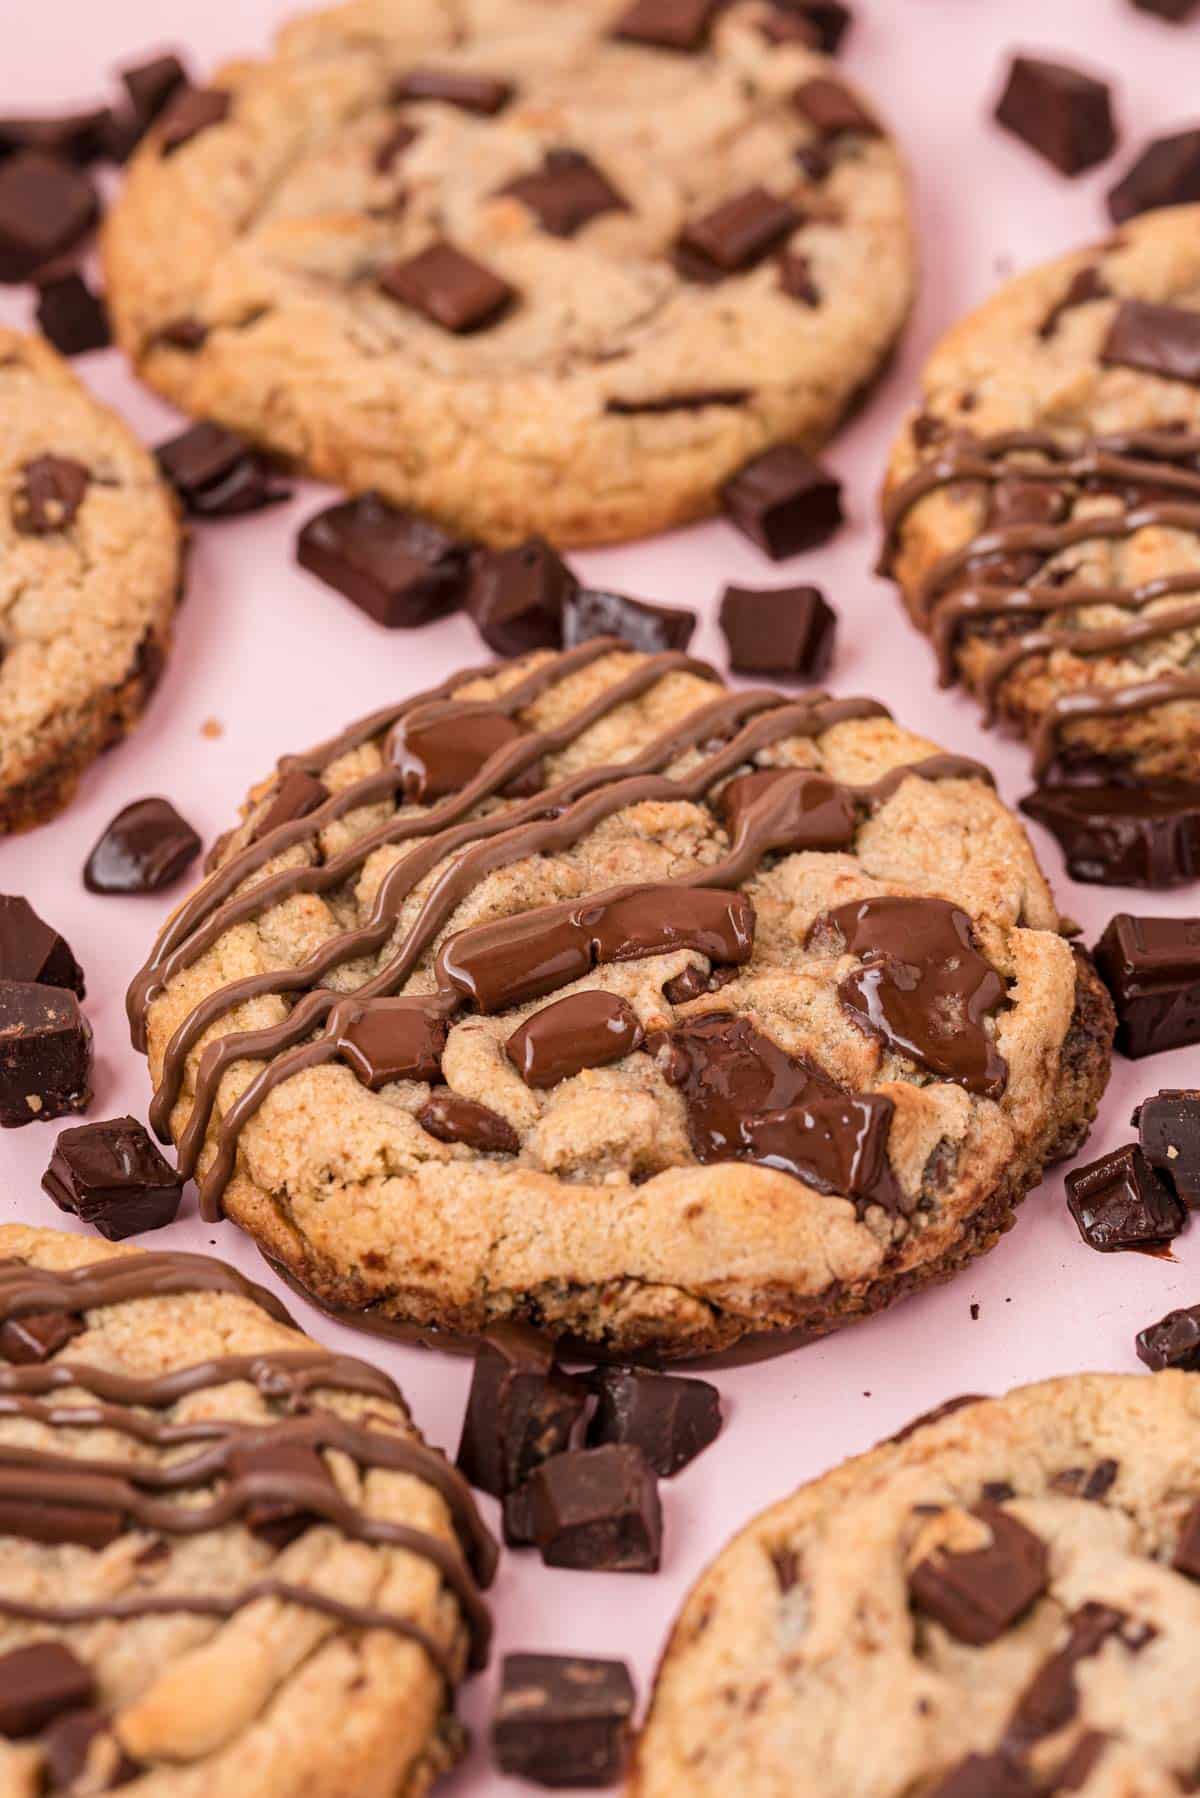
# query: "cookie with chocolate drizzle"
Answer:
x=221 y=1541
x=593 y=994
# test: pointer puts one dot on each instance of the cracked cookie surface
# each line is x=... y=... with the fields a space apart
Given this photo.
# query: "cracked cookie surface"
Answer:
x=675 y=257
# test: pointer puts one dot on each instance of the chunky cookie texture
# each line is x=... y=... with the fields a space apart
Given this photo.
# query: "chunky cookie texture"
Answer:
x=474 y=256
x=596 y=996
x=1043 y=504
x=1011 y=1586
x=242 y=1570
x=91 y=550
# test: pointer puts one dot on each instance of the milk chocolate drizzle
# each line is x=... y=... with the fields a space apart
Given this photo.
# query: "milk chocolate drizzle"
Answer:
x=61 y=1498
x=986 y=578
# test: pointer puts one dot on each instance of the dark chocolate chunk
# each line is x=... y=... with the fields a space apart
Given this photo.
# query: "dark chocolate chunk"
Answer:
x=516 y=597
x=827 y=21
x=562 y=1720
x=30 y=950
x=37 y=1684
x=192 y=111
x=796 y=278
x=111 y=1175
x=784 y=631
x=1086 y=284
x=597 y=1510
x=589 y=612
x=45 y=1053
x=29 y=1340
x=522 y=1408
x=483 y=94
x=1168 y=1128
x=146 y=847
x=50 y=495
x=986 y=1776
x=1138 y=836
x=739 y=232
x=79 y=136
x=71 y=316
x=1051 y=1699
x=394 y=1039
x=566 y=193
x=670 y=1419
x=1151 y=967
x=298 y=795
x=151 y=85
x=46 y=206
x=668 y=24
x=217 y=474
x=1167 y=173
x=584 y=1030
x=449 y=288
x=277 y=1516
x=516 y=1518
x=978 y=1594
x=832 y=110
x=1174 y=1341
x=67 y=1746
x=822 y=814
x=1173 y=11
x=449 y=1117
x=784 y=501
x=1155 y=339
x=1063 y=114
x=440 y=755
x=400 y=569
x=1119 y=1202
x=1187 y=1549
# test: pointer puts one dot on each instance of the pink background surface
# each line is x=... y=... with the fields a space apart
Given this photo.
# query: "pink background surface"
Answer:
x=280 y=661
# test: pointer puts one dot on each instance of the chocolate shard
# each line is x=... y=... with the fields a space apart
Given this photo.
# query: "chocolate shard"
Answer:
x=111 y=1175
x=516 y=597
x=1119 y=1202
x=1154 y=339
x=589 y=612
x=672 y=1420
x=1167 y=173
x=146 y=847
x=1140 y=836
x=35 y=1337
x=152 y=85
x=449 y=288
x=1174 y=1341
x=784 y=501
x=1051 y=1699
x=217 y=474
x=400 y=569
x=521 y=1409
x=562 y=1720
x=597 y=1510
x=832 y=110
x=70 y=1748
x=668 y=24
x=986 y=1776
x=740 y=232
x=393 y=1039
x=31 y=950
x=584 y=1030
x=193 y=110
x=784 y=631
x=485 y=95
x=979 y=1593
x=1168 y=1126
x=1151 y=967
x=46 y=207
x=566 y=193
x=71 y=316
x=1063 y=114
x=51 y=492
x=45 y=1053
x=37 y=1684
x=449 y=1117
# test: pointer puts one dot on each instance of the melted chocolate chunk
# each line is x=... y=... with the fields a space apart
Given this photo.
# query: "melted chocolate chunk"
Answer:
x=146 y=847
x=37 y=1684
x=31 y=950
x=566 y=193
x=46 y=207
x=588 y=612
x=822 y=813
x=35 y=1337
x=671 y=1420
x=986 y=1776
x=51 y=492
x=297 y=796
x=832 y=110
x=521 y=1410
x=400 y=569
x=668 y=24
x=273 y=1515
x=978 y=1594
x=449 y=1117
x=1086 y=284
x=1119 y=1202
x=217 y=474
x=45 y=1053
x=1140 y=836
x=1063 y=114
x=597 y=1510
x=1187 y=1549
x=192 y=111
x=394 y=1039
x=516 y=597
x=1151 y=967
x=749 y=1100
x=584 y=1030
x=1174 y=1341
x=71 y=316
x=449 y=288
x=112 y=1176
x=67 y=1746
x=741 y=231
x=1168 y=1128
x=562 y=1720
x=485 y=95
x=924 y=988
x=784 y=501
x=1155 y=339
x=1167 y=173
x=439 y=757
x=1051 y=1699
x=784 y=631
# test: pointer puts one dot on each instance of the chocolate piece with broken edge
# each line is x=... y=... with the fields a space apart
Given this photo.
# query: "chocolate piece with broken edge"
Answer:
x=521 y=1409
x=217 y=474
x=449 y=288
x=1174 y=1341
x=191 y=111
x=1119 y=1202
x=67 y=1745
x=1168 y=1126
x=597 y=1510
x=45 y=1053
x=566 y=193
x=71 y=316
x=51 y=492
x=1167 y=173
x=783 y=501
x=402 y=570
x=31 y=951
x=978 y=1594
x=1151 y=967
x=1146 y=835
x=112 y=1175
x=38 y=1683
x=46 y=207
x=832 y=110
x=590 y=612
x=144 y=848
x=563 y=1719
x=784 y=631
x=670 y=1418
x=1062 y=113
x=1154 y=339
x=516 y=597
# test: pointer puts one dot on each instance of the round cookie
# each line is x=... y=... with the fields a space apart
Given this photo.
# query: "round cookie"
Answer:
x=685 y=240
x=1043 y=504
x=92 y=555
x=753 y=1015
x=1001 y=1602
x=242 y=1570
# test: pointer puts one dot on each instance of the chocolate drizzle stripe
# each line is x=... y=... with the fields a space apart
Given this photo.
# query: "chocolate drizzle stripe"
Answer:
x=25 y=1289
x=1101 y=641
x=1106 y=702
x=958 y=607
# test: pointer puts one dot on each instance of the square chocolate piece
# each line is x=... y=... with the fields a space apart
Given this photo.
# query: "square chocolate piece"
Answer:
x=979 y=1593
x=31 y=950
x=217 y=474
x=562 y=1720
x=1137 y=836
x=566 y=193
x=1151 y=967
x=1174 y=1341
x=37 y=1684
x=784 y=501
x=400 y=569
x=738 y=233
x=112 y=1176
x=45 y=1053
x=1168 y=1128
x=784 y=631
x=597 y=1510
x=516 y=597
x=1167 y=173
x=1063 y=114
x=449 y=288
x=669 y=1418
x=1156 y=340
x=1119 y=1202
x=522 y=1408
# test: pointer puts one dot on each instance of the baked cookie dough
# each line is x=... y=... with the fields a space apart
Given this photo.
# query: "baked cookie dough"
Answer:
x=1001 y=1603
x=754 y=1015
x=526 y=266
x=1043 y=504
x=230 y=1562
x=90 y=550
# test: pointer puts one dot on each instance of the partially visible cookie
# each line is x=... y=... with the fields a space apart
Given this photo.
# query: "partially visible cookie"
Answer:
x=241 y=1569
x=1001 y=1602
x=90 y=552
x=529 y=267
x=1043 y=504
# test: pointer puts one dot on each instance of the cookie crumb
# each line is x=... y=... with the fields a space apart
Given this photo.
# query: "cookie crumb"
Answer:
x=212 y=728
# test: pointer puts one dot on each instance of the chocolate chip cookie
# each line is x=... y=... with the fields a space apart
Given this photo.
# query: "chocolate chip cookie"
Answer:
x=230 y=1562
x=583 y=991
x=91 y=551
x=1043 y=505
x=1010 y=1587
x=530 y=268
